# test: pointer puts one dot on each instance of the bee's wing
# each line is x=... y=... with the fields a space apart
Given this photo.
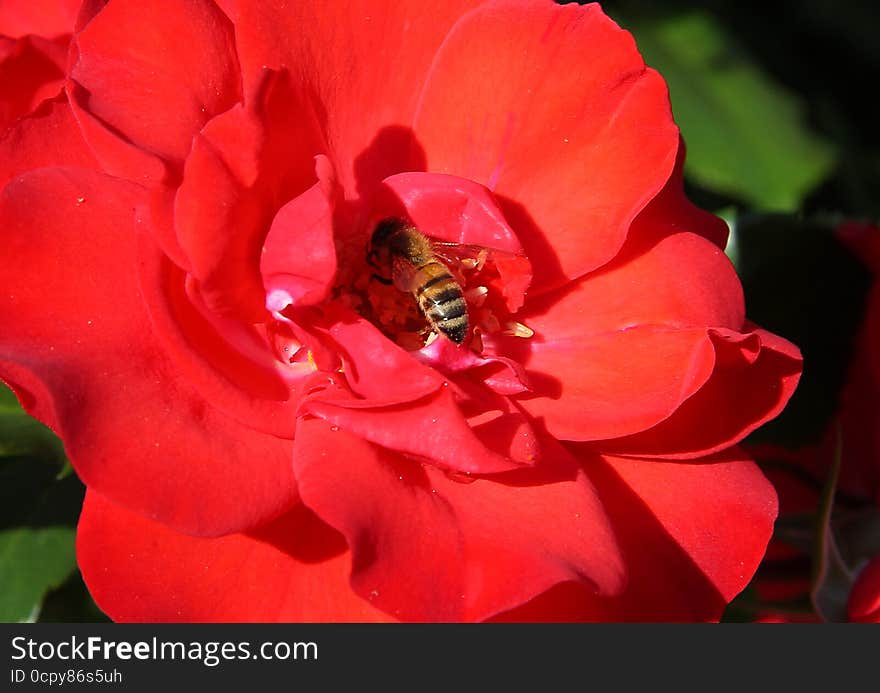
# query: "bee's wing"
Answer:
x=455 y=252
x=474 y=256
x=514 y=270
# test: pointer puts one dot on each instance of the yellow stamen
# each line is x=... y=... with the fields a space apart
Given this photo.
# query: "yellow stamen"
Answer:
x=477 y=295
x=517 y=329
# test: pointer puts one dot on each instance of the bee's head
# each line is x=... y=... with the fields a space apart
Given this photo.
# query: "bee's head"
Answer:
x=378 y=248
x=385 y=229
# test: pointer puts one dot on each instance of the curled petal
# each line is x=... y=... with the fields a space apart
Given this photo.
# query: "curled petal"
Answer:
x=31 y=69
x=48 y=18
x=755 y=375
x=227 y=361
x=298 y=263
x=622 y=349
x=448 y=208
x=47 y=137
x=244 y=166
x=499 y=423
x=423 y=428
x=117 y=156
x=616 y=383
x=375 y=368
x=503 y=375
x=157 y=88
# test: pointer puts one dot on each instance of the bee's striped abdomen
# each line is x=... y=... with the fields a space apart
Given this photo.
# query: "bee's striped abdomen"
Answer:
x=441 y=300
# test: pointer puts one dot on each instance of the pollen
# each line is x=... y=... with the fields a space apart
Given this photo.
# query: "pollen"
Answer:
x=517 y=329
x=476 y=296
x=413 y=341
x=371 y=286
x=475 y=263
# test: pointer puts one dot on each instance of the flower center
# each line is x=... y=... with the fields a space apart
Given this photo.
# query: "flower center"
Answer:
x=416 y=289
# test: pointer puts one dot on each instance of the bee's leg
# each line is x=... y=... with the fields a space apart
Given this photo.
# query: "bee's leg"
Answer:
x=383 y=280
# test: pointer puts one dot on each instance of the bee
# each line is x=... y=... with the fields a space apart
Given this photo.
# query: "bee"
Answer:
x=414 y=267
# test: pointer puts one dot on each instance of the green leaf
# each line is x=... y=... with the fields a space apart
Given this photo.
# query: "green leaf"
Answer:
x=8 y=400
x=745 y=134
x=39 y=504
x=32 y=561
x=20 y=434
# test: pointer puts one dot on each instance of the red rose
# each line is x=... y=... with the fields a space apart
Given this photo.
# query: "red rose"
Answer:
x=34 y=35
x=187 y=300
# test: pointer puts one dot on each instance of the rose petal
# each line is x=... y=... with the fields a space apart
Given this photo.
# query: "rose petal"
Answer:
x=692 y=536
x=679 y=280
x=375 y=368
x=423 y=428
x=31 y=69
x=117 y=156
x=364 y=112
x=48 y=18
x=616 y=383
x=499 y=423
x=671 y=212
x=228 y=362
x=428 y=548
x=158 y=87
x=298 y=262
x=501 y=374
x=602 y=356
x=47 y=137
x=754 y=377
x=243 y=167
x=133 y=427
x=448 y=208
x=293 y=569
x=553 y=109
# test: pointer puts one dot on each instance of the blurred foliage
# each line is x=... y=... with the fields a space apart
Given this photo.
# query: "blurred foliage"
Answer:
x=803 y=71
x=40 y=500
x=745 y=133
